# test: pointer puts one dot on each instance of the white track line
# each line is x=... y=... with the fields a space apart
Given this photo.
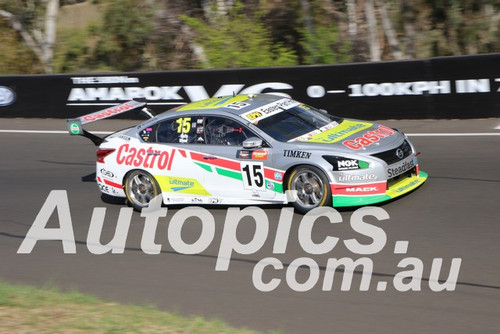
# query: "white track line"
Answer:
x=456 y=134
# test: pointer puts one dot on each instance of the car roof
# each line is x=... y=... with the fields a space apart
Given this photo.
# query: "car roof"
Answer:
x=233 y=104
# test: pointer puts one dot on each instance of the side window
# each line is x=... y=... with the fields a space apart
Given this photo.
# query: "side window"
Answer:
x=224 y=131
x=183 y=130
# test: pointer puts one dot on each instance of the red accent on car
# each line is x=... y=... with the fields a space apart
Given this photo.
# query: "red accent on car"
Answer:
x=103 y=153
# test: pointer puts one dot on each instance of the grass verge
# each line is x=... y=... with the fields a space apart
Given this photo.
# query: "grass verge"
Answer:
x=25 y=309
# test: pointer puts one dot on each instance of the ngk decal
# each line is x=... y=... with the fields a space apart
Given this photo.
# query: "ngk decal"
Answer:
x=166 y=93
x=369 y=138
x=147 y=158
x=374 y=188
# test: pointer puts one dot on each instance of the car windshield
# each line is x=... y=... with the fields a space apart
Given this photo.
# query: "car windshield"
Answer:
x=297 y=121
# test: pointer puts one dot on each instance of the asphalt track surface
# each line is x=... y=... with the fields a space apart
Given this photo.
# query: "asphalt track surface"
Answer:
x=454 y=215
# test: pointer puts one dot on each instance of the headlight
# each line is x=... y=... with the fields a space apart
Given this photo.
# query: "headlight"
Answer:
x=342 y=163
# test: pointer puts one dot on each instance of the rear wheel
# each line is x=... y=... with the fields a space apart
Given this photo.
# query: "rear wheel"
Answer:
x=140 y=188
x=310 y=188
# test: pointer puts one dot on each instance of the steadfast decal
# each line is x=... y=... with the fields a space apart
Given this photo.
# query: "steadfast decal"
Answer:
x=400 y=169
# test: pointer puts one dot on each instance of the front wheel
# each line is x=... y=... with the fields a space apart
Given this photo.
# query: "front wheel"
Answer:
x=140 y=188
x=310 y=188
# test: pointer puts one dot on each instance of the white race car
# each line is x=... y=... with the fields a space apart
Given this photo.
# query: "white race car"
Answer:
x=252 y=149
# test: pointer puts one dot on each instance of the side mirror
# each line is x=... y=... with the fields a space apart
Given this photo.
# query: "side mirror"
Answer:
x=252 y=142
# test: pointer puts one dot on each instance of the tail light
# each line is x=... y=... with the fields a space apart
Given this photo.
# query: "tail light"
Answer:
x=103 y=153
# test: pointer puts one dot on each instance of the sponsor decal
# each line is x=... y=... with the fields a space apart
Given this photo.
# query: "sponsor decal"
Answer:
x=126 y=138
x=400 y=169
x=296 y=154
x=406 y=186
x=148 y=158
x=253 y=115
x=369 y=138
x=146 y=133
x=214 y=200
x=333 y=132
x=243 y=154
x=372 y=188
x=238 y=105
x=108 y=112
x=7 y=96
x=269 y=185
x=107 y=173
x=259 y=155
x=174 y=199
x=181 y=185
x=269 y=109
x=278 y=176
x=254 y=155
x=74 y=128
x=350 y=164
x=177 y=184
x=348 y=177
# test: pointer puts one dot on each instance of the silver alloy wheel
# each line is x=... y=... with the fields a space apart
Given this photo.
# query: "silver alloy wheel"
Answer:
x=309 y=187
x=141 y=188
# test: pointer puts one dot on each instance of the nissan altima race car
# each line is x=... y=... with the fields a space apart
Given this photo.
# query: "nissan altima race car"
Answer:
x=252 y=149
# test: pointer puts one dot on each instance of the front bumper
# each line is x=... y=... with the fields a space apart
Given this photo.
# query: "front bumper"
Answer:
x=395 y=190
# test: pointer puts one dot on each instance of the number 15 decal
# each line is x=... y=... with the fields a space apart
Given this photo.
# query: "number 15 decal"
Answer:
x=253 y=175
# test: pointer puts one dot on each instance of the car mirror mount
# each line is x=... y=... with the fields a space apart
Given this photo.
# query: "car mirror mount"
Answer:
x=252 y=142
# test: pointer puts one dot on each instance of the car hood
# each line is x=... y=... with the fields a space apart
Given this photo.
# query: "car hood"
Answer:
x=353 y=136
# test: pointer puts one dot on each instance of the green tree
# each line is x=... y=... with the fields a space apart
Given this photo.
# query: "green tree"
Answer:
x=16 y=57
x=239 y=40
x=323 y=45
x=123 y=36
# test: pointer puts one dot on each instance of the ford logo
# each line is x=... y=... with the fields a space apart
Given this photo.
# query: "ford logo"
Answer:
x=7 y=96
x=399 y=153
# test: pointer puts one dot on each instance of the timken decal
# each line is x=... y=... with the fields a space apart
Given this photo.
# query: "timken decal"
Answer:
x=130 y=156
x=296 y=154
x=369 y=138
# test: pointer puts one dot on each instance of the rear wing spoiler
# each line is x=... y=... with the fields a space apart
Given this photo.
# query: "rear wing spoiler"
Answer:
x=75 y=125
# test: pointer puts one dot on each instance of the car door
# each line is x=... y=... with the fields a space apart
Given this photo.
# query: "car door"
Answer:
x=237 y=173
x=186 y=179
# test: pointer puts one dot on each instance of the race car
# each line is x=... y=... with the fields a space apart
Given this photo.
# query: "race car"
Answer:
x=251 y=150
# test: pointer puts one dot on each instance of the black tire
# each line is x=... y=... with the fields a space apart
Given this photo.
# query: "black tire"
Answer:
x=311 y=186
x=140 y=188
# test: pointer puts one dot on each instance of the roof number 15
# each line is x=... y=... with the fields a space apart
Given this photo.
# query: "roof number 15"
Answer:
x=184 y=125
